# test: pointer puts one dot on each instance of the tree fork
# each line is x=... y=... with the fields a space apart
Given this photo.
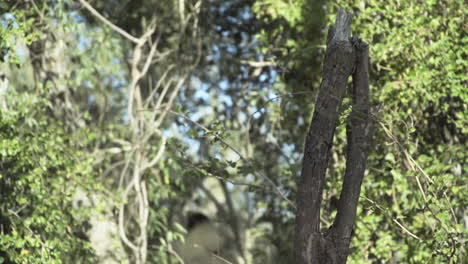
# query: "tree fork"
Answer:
x=344 y=57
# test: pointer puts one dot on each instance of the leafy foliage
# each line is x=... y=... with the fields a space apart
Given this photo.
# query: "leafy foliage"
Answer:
x=41 y=166
x=412 y=198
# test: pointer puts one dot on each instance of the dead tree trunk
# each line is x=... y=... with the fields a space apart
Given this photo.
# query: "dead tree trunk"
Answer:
x=344 y=57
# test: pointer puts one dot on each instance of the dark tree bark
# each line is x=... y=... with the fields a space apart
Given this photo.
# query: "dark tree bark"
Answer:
x=344 y=57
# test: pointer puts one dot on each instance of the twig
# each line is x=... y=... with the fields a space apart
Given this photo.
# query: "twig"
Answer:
x=407 y=155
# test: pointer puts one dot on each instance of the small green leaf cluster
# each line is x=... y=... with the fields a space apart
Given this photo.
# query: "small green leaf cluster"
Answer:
x=14 y=27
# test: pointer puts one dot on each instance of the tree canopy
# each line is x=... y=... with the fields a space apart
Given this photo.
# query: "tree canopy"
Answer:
x=123 y=122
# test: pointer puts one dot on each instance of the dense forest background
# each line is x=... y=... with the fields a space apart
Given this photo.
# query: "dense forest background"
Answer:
x=122 y=121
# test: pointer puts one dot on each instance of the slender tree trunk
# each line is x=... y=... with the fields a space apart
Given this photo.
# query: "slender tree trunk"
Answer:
x=344 y=57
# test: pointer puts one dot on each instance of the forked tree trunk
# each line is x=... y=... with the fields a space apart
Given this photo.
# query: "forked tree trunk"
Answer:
x=344 y=57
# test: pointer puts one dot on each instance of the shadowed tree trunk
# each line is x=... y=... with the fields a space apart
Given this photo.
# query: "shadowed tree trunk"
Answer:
x=344 y=57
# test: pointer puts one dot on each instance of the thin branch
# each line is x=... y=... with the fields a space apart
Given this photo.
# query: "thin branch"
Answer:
x=158 y=156
x=144 y=223
x=269 y=181
x=123 y=236
x=110 y=24
x=124 y=171
x=174 y=253
x=149 y=57
x=158 y=84
x=269 y=100
x=412 y=162
x=221 y=258
x=161 y=97
x=393 y=219
x=237 y=183
x=171 y=100
x=112 y=167
x=259 y=64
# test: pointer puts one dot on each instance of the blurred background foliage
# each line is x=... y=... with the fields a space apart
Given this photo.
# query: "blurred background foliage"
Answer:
x=249 y=72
